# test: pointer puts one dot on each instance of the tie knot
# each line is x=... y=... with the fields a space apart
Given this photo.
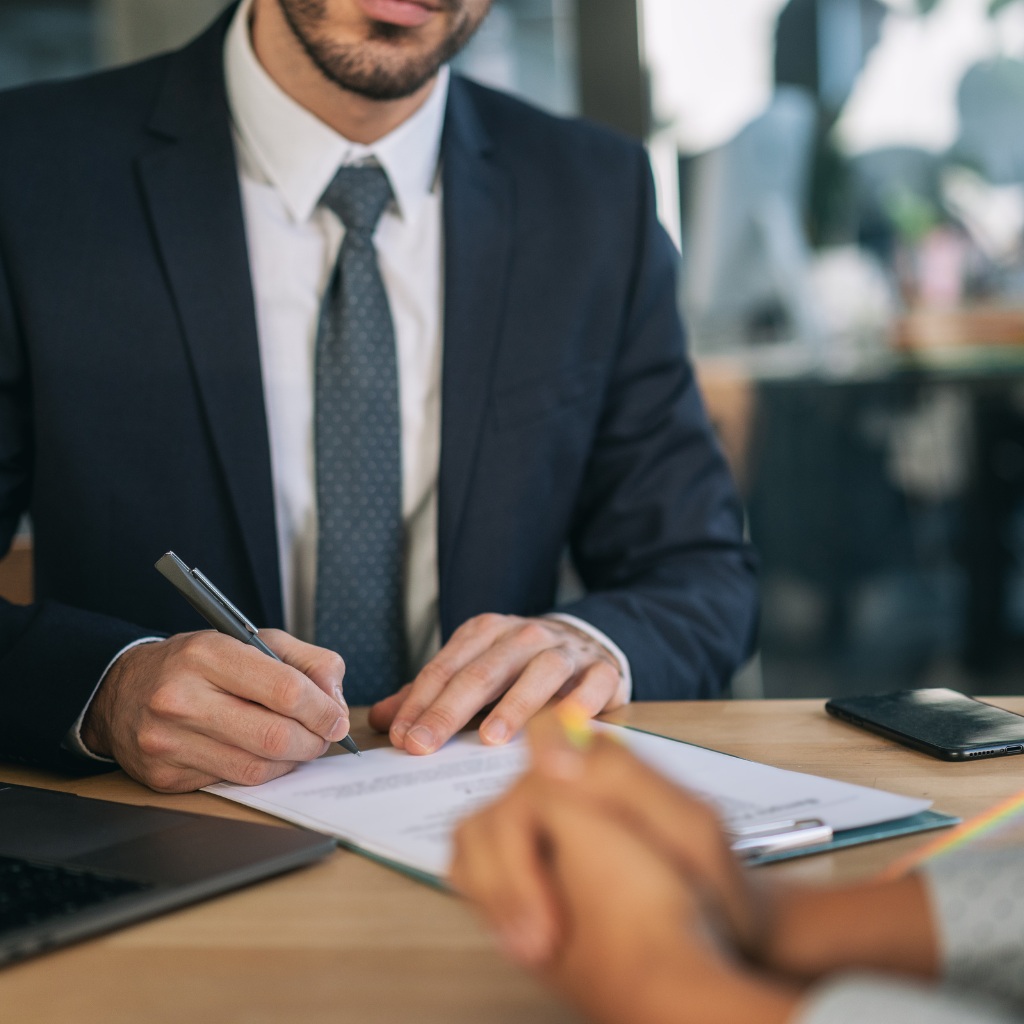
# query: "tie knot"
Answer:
x=358 y=196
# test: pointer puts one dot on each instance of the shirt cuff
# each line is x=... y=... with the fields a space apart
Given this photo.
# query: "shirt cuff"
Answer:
x=625 y=692
x=854 y=999
x=73 y=739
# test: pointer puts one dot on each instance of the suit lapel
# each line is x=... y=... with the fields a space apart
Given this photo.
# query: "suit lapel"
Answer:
x=478 y=212
x=190 y=183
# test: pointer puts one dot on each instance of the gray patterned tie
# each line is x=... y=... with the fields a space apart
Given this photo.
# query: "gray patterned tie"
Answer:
x=359 y=592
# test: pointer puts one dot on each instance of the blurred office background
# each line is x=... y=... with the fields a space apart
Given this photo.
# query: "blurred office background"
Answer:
x=845 y=179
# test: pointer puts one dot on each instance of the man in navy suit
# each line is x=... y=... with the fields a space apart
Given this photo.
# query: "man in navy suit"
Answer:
x=166 y=256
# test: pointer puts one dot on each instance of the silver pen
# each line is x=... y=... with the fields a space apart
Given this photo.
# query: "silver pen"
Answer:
x=218 y=611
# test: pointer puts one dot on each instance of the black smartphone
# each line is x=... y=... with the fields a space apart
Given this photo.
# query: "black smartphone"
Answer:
x=942 y=723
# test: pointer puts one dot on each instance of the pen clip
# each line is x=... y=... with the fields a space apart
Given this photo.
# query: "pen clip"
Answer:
x=773 y=837
x=218 y=596
x=765 y=828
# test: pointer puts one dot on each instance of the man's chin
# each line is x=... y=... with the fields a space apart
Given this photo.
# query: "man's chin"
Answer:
x=381 y=91
x=392 y=65
x=382 y=82
x=395 y=60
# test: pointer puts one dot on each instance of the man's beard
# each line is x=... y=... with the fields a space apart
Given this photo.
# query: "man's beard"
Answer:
x=355 y=69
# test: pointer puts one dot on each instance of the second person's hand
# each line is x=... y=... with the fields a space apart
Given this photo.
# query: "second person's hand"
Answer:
x=800 y=932
x=634 y=941
x=607 y=776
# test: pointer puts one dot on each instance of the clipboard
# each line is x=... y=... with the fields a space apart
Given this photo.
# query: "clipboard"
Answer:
x=926 y=821
x=810 y=842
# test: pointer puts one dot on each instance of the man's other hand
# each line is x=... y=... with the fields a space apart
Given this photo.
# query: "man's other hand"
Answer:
x=520 y=663
x=199 y=708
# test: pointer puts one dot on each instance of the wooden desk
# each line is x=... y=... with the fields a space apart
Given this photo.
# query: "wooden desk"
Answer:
x=347 y=940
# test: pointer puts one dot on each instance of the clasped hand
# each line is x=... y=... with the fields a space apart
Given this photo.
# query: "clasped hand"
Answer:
x=621 y=891
x=618 y=888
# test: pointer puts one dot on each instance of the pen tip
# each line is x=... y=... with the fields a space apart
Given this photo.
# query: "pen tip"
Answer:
x=350 y=745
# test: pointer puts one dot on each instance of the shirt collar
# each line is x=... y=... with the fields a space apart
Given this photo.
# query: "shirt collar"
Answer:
x=299 y=154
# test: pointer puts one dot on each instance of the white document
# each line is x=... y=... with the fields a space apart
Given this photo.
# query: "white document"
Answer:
x=404 y=809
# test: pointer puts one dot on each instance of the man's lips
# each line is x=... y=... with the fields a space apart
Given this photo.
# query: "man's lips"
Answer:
x=407 y=13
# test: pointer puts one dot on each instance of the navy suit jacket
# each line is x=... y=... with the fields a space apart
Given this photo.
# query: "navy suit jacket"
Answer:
x=131 y=402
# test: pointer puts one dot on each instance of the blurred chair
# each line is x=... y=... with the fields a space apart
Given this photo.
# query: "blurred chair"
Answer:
x=16 y=572
x=746 y=255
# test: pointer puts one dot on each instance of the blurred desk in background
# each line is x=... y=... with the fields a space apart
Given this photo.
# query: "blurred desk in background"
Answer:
x=983 y=334
x=886 y=499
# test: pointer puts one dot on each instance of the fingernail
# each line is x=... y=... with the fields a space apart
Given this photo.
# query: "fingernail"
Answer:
x=496 y=731
x=422 y=737
x=340 y=729
x=398 y=731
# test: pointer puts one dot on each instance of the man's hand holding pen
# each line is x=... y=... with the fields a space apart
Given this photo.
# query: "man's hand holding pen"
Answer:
x=199 y=708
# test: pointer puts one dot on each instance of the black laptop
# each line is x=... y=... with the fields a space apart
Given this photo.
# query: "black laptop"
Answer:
x=71 y=867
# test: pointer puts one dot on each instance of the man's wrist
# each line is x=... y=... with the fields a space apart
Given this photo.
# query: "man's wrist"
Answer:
x=83 y=738
x=625 y=692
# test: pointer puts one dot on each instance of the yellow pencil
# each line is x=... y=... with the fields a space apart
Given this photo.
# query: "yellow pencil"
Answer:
x=575 y=721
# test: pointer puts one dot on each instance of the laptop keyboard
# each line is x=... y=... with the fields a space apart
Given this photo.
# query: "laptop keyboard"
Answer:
x=31 y=892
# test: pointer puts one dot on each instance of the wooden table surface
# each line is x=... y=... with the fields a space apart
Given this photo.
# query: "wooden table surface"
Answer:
x=348 y=940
